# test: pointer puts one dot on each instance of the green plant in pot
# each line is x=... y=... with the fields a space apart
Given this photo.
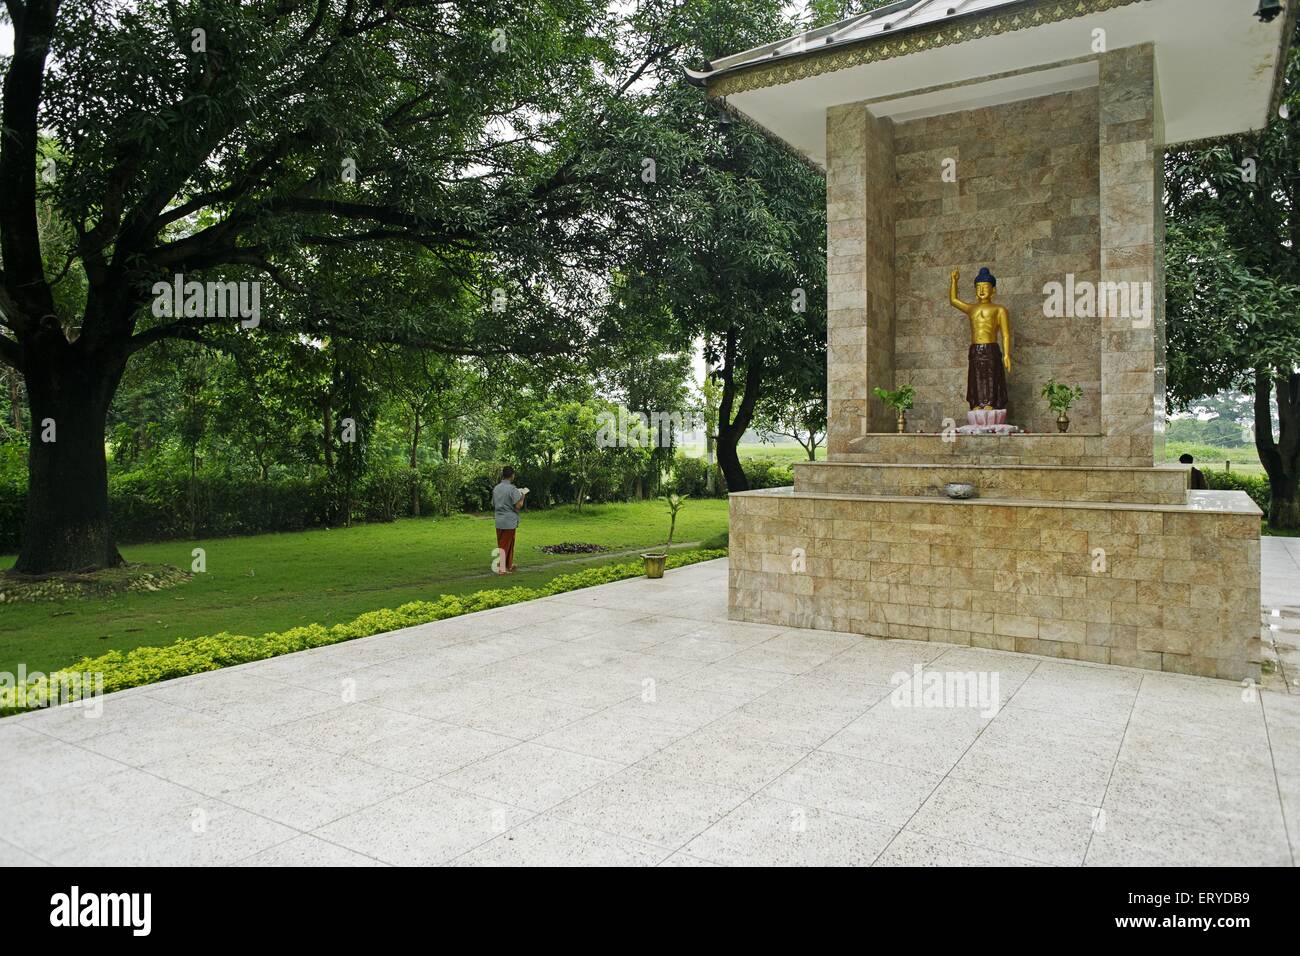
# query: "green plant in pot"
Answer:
x=1059 y=399
x=654 y=560
x=900 y=400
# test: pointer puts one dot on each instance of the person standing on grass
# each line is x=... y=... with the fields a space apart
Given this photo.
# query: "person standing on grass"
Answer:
x=507 y=500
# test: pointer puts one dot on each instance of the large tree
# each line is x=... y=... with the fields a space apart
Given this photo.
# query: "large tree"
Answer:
x=1233 y=256
x=738 y=256
x=332 y=148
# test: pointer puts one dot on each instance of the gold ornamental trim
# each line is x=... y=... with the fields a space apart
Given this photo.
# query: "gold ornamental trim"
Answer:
x=876 y=48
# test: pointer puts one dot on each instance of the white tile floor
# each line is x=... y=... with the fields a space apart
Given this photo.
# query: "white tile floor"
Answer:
x=632 y=724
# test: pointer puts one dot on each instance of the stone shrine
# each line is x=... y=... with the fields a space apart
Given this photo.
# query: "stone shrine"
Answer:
x=1024 y=138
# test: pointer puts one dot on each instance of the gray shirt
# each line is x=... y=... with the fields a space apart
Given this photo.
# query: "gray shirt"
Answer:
x=504 y=498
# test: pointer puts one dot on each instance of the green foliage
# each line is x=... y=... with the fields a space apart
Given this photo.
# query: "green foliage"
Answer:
x=688 y=475
x=148 y=665
x=1059 y=396
x=900 y=400
x=161 y=502
x=1233 y=282
x=766 y=473
x=1216 y=432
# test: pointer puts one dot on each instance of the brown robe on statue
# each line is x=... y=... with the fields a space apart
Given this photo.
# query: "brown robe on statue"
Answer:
x=986 y=379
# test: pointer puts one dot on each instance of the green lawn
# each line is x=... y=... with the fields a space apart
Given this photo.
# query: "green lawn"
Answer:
x=274 y=581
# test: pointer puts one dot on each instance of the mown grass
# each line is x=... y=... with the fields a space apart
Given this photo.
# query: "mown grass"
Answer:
x=276 y=581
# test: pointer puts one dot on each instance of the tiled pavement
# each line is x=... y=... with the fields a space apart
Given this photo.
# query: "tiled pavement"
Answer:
x=1280 y=595
x=633 y=724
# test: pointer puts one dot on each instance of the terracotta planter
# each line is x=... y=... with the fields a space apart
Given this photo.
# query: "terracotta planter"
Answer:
x=654 y=564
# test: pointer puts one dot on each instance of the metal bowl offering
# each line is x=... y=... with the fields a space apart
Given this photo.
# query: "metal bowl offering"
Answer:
x=959 y=489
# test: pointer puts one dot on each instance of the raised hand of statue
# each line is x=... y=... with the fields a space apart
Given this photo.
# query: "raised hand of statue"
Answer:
x=956 y=275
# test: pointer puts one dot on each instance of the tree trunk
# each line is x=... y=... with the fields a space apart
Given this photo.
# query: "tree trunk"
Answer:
x=415 y=467
x=327 y=423
x=67 y=526
x=446 y=444
x=16 y=400
x=1281 y=458
x=729 y=462
x=731 y=429
x=1284 y=508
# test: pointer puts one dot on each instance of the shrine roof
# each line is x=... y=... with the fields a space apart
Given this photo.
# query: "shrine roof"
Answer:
x=1218 y=66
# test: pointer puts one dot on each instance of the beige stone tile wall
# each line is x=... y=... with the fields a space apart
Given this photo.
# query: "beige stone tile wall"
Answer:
x=1166 y=486
x=1179 y=589
x=1132 y=241
x=1025 y=204
x=859 y=269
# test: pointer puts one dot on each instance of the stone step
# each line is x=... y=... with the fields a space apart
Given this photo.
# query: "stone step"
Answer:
x=1162 y=485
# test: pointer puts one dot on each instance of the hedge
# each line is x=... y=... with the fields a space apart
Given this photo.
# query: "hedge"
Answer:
x=148 y=665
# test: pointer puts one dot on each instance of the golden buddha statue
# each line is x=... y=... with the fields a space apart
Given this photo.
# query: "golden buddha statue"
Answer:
x=987 y=364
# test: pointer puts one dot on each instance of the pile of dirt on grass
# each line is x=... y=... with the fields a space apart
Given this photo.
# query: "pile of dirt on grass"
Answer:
x=108 y=582
x=572 y=547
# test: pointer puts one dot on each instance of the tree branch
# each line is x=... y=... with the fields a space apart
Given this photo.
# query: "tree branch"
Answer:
x=11 y=353
x=20 y=240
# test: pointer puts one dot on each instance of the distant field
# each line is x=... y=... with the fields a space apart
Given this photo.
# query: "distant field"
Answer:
x=1244 y=459
x=778 y=453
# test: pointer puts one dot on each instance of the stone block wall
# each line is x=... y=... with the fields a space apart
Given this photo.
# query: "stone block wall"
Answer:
x=1164 y=486
x=1132 y=243
x=1178 y=591
x=859 y=270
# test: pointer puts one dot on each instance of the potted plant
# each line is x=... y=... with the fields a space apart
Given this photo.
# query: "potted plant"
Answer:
x=900 y=400
x=654 y=560
x=1059 y=399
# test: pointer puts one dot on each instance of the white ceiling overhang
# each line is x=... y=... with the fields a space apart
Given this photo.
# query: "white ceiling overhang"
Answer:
x=1216 y=64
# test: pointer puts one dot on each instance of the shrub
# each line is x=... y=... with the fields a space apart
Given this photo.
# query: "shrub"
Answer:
x=13 y=494
x=690 y=476
x=148 y=665
x=765 y=473
x=385 y=492
x=153 y=505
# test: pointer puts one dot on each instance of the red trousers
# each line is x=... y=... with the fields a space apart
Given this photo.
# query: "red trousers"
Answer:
x=506 y=543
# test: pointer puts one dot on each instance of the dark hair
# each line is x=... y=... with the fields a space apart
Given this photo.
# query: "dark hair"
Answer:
x=1185 y=459
x=507 y=472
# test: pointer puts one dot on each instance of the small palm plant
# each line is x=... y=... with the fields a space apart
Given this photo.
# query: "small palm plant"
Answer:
x=900 y=400
x=654 y=560
x=675 y=503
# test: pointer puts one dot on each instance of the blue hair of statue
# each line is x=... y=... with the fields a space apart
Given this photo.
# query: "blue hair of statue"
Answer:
x=986 y=276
